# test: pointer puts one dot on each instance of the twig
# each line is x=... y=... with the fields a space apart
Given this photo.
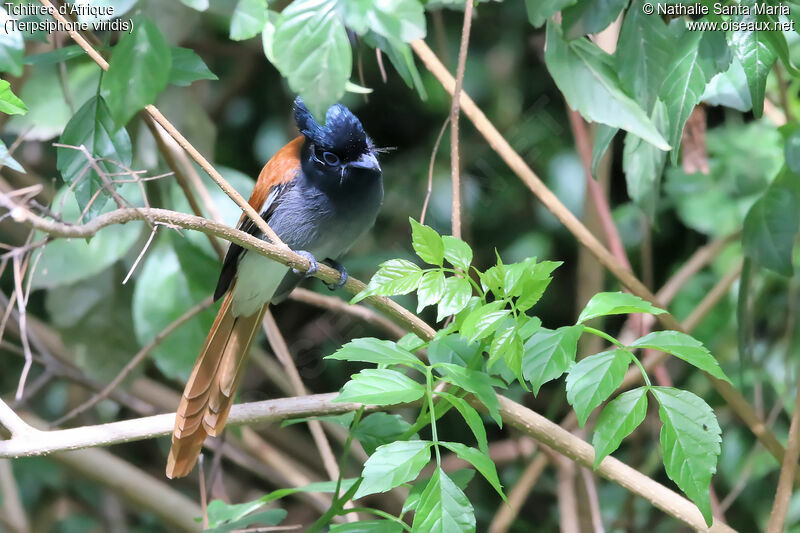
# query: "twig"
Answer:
x=13 y=513
x=786 y=479
x=455 y=113
x=567 y=500
x=23 y=325
x=506 y=513
x=203 y=496
x=594 y=502
x=430 y=170
x=135 y=361
x=141 y=254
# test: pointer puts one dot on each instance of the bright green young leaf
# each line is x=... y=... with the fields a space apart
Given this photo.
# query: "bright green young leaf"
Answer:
x=617 y=420
x=93 y=128
x=484 y=320
x=583 y=18
x=534 y=284
x=396 y=276
x=616 y=303
x=6 y=160
x=368 y=526
x=480 y=460
x=527 y=326
x=12 y=46
x=457 y=292
x=699 y=57
x=643 y=164
x=756 y=53
x=548 y=354
x=312 y=51
x=371 y=350
x=471 y=417
x=410 y=342
x=504 y=340
x=457 y=252
x=684 y=347
x=392 y=465
x=378 y=386
x=9 y=103
x=378 y=429
x=427 y=243
x=541 y=10
x=452 y=348
x=443 y=508
x=248 y=19
x=138 y=71
x=770 y=228
x=586 y=77
x=461 y=478
x=690 y=443
x=187 y=67
x=477 y=383
x=593 y=379
x=431 y=289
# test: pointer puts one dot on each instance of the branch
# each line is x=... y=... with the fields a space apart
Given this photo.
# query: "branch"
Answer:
x=784 y=491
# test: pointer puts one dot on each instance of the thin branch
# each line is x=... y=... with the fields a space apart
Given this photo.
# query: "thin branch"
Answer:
x=733 y=397
x=13 y=512
x=455 y=113
x=135 y=361
x=785 y=481
x=23 y=325
x=141 y=254
x=430 y=170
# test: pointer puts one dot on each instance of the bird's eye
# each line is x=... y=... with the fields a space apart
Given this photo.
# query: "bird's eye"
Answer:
x=330 y=158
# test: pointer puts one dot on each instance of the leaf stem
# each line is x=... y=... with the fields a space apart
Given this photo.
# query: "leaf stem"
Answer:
x=432 y=411
x=621 y=346
x=377 y=512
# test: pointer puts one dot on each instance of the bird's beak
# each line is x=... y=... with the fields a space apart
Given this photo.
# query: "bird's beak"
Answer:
x=367 y=161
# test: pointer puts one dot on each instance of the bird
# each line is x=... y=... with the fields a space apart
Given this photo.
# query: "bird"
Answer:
x=319 y=193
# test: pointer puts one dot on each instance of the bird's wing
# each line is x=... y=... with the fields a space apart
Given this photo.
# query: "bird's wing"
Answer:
x=275 y=179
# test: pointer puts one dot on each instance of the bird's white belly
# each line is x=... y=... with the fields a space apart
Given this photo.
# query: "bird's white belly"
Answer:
x=257 y=278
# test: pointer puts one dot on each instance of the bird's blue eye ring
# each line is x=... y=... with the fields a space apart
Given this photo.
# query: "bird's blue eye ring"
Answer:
x=330 y=158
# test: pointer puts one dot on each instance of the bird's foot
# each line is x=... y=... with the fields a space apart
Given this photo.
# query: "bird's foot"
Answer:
x=344 y=276
x=313 y=266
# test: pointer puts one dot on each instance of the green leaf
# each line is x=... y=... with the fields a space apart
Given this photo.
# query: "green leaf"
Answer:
x=452 y=348
x=457 y=252
x=756 y=53
x=690 y=438
x=410 y=342
x=138 y=71
x=590 y=17
x=378 y=429
x=594 y=379
x=396 y=276
x=471 y=417
x=223 y=518
x=603 y=135
x=371 y=350
x=548 y=354
x=380 y=387
x=399 y=20
x=684 y=347
x=699 y=56
x=507 y=346
x=534 y=284
x=402 y=58
x=643 y=164
x=617 y=420
x=6 y=160
x=792 y=151
x=248 y=19
x=12 y=46
x=585 y=75
x=477 y=383
x=541 y=10
x=368 y=526
x=443 y=508
x=427 y=243
x=312 y=52
x=457 y=292
x=482 y=321
x=392 y=465
x=187 y=67
x=480 y=460
x=198 y=5
x=770 y=228
x=93 y=128
x=65 y=53
x=461 y=478
x=9 y=103
x=431 y=289
x=616 y=303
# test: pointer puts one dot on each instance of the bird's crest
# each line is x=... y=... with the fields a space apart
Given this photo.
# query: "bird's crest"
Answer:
x=342 y=132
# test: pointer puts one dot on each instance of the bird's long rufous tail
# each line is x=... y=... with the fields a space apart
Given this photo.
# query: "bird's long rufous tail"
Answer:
x=209 y=394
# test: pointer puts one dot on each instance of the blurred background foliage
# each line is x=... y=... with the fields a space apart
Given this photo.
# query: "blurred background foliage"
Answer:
x=81 y=308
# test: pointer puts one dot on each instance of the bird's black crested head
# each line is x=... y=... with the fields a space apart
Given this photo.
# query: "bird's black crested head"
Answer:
x=342 y=133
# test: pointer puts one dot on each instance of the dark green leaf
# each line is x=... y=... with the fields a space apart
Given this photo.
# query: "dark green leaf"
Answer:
x=770 y=228
x=541 y=10
x=399 y=20
x=585 y=75
x=594 y=379
x=270 y=517
x=427 y=243
x=643 y=164
x=603 y=135
x=396 y=276
x=477 y=383
x=93 y=128
x=138 y=71
x=480 y=460
x=187 y=67
x=616 y=303
x=452 y=348
x=457 y=292
x=223 y=517
x=371 y=350
x=378 y=429
x=548 y=354
x=311 y=50
x=484 y=320
x=617 y=420
x=12 y=46
x=471 y=417
x=431 y=289
x=248 y=19
x=402 y=58
x=392 y=465
x=683 y=346
x=690 y=438
x=368 y=526
x=457 y=252
x=380 y=387
x=9 y=103
x=443 y=508
x=792 y=151
x=590 y=17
